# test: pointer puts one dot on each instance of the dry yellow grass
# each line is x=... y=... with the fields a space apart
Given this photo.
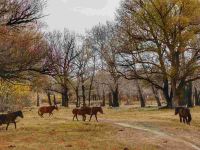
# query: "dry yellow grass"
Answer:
x=60 y=132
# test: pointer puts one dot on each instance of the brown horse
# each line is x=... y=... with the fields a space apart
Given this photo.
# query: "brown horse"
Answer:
x=184 y=114
x=46 y=109
x=79 y=111
x=94 y=111
x=87 y=111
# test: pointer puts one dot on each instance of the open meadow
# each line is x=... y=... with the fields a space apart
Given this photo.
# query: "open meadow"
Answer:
x=117 y=129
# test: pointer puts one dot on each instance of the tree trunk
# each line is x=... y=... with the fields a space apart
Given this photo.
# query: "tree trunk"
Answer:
x=54 y=100
x=197 y=97
x=65 y=99
x=155 y=92
x=83 y=94
x=188 y=95
x=104 y=99
x=115 y=94
x=168 y=95
x=179 y=95
x=89 y=97
x=92 y=80
x=49 y=98
x=97 y=93
x=90 y=91
x=94 y=97
x=110 y=99
x=140 y=94
x=190 y=102
x=77 y=98
x=38 y=99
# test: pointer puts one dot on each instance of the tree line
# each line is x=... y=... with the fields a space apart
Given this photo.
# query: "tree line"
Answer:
x=152 y=42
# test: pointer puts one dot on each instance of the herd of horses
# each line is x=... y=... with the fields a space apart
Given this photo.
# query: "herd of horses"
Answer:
x=83 y=111
x=10 y=117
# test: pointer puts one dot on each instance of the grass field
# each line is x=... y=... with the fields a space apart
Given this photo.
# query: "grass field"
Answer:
x=132 y=128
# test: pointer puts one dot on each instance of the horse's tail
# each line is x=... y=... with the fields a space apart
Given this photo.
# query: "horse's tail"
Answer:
x=39 y=113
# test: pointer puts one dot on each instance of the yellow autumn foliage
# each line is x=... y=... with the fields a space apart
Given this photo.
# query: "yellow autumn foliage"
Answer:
x=14 y=95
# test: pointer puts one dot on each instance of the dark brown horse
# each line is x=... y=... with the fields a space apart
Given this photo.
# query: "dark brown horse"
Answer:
x=184 y=114
x=46 y=109
x=94 y=111
x=79 y=111
x=87 y=111
x=10 y=118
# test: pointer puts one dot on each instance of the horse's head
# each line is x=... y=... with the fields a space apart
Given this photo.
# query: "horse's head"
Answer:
x=176 y=110
x=20 y=114
x=101 y=110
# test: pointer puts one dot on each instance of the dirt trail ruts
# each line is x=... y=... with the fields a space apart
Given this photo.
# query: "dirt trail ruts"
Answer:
x=150 y=130
x=156 y=132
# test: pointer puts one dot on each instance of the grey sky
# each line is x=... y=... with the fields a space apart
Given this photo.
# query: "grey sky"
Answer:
x=78 y=15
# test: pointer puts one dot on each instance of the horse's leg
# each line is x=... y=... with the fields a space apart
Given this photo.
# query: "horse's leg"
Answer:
x=187 y=120
x=96 y=117
x=15 y=125
x=74 y=117
x=41 y=115
x=180 y=118
x=7 y=126
x=83 y=118
x=91 y=117
x=184 y=119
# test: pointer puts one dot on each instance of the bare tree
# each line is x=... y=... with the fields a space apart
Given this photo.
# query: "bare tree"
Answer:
x=20 y=13
x=92 y=77
x=61 y=60
x=83 y=62
x=104 y=41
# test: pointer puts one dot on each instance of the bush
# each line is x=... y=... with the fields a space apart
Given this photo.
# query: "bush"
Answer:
x=14 y=97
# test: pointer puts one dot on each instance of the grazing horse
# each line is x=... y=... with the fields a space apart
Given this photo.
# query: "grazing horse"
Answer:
x=94 y=111
x=184 y=114
x=10 y=118
x=46 y=109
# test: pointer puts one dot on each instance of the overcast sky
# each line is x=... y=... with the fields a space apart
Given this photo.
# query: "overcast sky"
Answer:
x=78 y=15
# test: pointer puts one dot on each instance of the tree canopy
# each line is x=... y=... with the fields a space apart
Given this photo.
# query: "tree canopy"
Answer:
x=160 y=39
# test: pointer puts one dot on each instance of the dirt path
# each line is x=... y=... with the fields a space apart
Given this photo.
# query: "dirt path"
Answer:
x=175 y=141
x=159 y=133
